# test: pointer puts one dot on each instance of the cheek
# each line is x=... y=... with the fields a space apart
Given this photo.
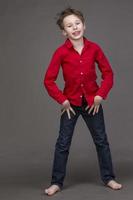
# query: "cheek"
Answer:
x=69 y=31
x=81 y=27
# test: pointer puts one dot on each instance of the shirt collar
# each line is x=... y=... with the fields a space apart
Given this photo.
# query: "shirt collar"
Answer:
x=70 y=45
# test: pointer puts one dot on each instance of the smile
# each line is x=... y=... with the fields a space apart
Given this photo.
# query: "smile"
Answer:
x=76 y=33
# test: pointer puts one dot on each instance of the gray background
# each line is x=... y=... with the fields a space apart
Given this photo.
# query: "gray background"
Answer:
x=29 y=118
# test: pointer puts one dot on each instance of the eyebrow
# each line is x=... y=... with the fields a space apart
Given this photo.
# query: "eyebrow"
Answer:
x=69 y=23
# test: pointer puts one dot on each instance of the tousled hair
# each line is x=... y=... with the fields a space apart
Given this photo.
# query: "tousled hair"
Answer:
x=68 y=11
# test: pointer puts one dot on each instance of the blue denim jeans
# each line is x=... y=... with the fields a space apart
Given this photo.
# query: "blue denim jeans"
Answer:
x=96 y=126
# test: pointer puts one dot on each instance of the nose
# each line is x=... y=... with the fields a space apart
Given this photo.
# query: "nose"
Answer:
x=74 y=26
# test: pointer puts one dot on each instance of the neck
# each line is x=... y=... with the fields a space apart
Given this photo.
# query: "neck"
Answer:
x=78 y=43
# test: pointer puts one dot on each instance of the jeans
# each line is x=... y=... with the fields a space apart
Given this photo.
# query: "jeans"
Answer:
x=96 y=126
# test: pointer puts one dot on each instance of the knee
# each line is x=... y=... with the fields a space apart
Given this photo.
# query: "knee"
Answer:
x=101 y=142
x=62 y=145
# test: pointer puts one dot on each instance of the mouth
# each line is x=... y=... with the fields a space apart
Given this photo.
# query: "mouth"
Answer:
x=76 y=33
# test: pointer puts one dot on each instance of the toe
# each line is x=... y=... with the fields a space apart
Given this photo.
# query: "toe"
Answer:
x=46 y=191
x=114 y=185
x=52 y=190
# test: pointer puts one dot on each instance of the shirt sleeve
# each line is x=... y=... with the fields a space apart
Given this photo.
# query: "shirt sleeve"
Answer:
x=106 y=74
x=51 y=76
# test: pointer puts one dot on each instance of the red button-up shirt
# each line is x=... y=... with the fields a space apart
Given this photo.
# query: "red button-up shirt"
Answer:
x=79 y=73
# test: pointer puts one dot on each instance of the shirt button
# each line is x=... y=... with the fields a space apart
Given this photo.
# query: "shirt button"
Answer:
x=80 y=96
x=82 y=85
x=81 y=73
x=80 y=61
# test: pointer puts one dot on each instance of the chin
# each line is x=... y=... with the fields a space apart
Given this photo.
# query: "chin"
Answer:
x=78 y=37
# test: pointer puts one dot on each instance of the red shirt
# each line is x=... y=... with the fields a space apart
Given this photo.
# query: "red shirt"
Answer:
x=79 y=73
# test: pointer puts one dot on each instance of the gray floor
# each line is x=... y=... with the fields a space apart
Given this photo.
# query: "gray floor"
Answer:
x=79 y=191
x=28 y=183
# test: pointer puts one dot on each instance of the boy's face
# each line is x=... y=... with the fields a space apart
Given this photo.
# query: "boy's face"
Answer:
x=73 y=27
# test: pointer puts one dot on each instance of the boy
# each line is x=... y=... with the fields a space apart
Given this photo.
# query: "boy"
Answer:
x=81 y=96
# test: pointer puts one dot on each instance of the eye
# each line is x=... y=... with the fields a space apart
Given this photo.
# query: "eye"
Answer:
x=77 y=23
x=69 y=26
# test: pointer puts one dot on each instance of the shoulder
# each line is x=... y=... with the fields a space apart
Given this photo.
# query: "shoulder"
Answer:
x=96 y=48
x=94 y=45
x=60 y=50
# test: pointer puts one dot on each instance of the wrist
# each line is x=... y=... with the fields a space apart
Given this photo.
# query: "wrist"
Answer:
x=65 y=102
x=98 y=96
x=97 y=99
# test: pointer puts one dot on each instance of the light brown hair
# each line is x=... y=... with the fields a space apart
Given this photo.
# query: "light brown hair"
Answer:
x=68 y=11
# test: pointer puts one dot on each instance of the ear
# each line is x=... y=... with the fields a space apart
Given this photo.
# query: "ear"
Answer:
x=84 y=26
x=64 y=33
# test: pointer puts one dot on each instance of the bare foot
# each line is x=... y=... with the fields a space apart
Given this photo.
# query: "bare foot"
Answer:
x=52 y=190
x=114 y=185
